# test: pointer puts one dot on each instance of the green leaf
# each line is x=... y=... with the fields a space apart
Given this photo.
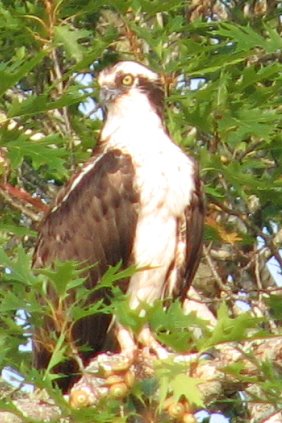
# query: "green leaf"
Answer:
x=64 y=276
x=41 y=103
x=173 y=379
x=80 y=311
x=57 y=357
x=17 y=230
x=227 y=329
x=43 y=152
x=247 y=38
x=114 y=274
x=10 y=77
x=172 y=326
x=10 y=301
x=187 y=387
x=275 y=304
x=19 y=269
x=128 y=317
x=69 y=38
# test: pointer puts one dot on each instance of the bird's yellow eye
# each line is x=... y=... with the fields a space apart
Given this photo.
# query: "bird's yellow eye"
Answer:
x=127 y=80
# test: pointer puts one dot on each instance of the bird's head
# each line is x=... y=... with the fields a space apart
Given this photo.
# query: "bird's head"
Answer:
x=131 y=81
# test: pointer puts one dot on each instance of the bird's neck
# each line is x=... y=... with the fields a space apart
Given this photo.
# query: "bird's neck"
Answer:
x=131 y=116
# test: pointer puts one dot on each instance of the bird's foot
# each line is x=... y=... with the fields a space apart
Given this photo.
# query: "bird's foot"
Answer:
x=107 y=375
x=151 y=345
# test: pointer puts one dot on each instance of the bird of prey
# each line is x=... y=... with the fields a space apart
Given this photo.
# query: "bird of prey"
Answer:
x=137 y=201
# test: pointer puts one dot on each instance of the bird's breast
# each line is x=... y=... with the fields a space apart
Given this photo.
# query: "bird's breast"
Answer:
x=164 y=180
x=163 y=172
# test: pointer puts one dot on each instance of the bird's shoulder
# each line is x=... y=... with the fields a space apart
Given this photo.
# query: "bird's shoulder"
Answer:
x=94 y=215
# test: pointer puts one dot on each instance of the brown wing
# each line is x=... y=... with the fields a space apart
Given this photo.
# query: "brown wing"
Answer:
x=93 y=221
x=189 y=238
x=194 y=215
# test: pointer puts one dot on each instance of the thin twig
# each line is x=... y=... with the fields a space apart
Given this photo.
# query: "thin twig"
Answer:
x=213 y=269
x=25 y=210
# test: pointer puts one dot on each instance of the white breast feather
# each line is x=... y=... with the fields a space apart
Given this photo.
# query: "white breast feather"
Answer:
x=163 y=177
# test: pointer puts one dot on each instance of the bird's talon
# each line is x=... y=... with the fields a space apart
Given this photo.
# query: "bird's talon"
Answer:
x=113 y=379
x=122 y=362
x=111 y=364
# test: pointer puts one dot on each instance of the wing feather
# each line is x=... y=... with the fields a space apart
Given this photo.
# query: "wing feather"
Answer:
x=188 y=246
x=194 y=219
x=93 y=221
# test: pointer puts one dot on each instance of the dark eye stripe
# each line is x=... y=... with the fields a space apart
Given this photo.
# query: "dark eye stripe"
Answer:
x=153 y=89
x=119 y=79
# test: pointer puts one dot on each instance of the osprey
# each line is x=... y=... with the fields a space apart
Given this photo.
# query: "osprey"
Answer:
x=137 y=201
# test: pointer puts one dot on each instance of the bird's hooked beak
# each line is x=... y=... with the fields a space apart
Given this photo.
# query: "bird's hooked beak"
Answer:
x=108 y=94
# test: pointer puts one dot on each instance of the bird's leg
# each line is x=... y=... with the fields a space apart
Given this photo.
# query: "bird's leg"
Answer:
x=147 y=339
x=126 y=342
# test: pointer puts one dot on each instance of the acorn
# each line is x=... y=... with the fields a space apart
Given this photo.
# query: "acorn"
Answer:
x=224 y=159
x=79 y=399
x=129 y=378
x=118 y=390
x=188 y=418
x=176 y=410
x=168 y=402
